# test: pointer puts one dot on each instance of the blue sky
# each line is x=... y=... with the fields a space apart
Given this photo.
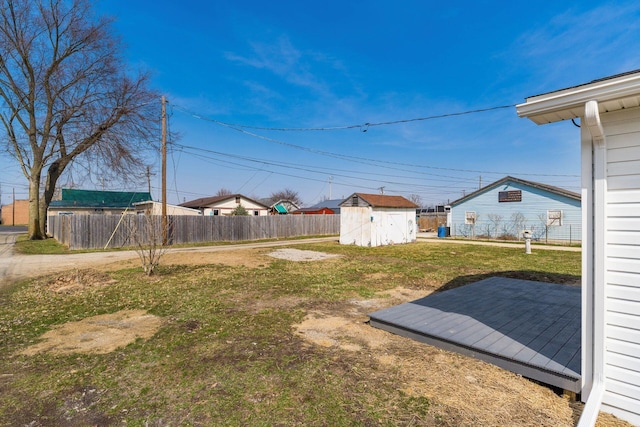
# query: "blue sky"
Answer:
x=341 y=64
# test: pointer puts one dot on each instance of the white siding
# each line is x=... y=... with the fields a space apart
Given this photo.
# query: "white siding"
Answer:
x=393 y=226
x=227 y=206
x=367 y=226
x=355 y=226
x=622 y=265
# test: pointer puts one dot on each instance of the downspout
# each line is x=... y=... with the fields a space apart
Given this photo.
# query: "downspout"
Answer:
x=597 y=320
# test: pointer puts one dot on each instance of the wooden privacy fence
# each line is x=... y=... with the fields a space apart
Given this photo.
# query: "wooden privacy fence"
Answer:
x=113 y=231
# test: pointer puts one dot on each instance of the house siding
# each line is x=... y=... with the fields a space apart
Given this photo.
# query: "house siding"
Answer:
x=530 y=213
x=226 y=207
x=622 y=265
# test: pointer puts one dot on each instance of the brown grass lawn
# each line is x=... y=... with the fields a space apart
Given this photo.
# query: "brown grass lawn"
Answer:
x=241 y=338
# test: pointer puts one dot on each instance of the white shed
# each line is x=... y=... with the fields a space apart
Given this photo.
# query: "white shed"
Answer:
x=377 y=220
x=609 y=112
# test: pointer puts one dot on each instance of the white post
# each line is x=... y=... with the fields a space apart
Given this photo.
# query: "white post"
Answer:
x=527 y=241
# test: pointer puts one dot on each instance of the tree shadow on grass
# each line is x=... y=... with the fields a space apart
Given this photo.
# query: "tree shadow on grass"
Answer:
x=537 y=276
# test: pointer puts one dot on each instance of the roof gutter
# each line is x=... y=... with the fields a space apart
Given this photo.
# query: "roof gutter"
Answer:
x=596 y=316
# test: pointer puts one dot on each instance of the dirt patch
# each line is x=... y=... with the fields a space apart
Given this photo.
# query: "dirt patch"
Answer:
x=452 y=382
x=350 y=330
x=97 y=335
x=290 y=254
x=78 y=280
x=234 y=258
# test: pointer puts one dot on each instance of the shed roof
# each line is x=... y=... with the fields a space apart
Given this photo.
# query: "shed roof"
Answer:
x=612 y=93
x=382 y=201
x=204 y=202
x=280 y=209
x=538 y=185
x=99 y=199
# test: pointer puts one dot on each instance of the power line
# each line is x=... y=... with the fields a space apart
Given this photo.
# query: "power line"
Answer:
x=363 y=127
x=323 y=170
x=364 y=160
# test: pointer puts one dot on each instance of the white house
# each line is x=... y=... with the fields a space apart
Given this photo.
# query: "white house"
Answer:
x=226 y=205
x=609 y=112
x=504 y=208
x=376 y=220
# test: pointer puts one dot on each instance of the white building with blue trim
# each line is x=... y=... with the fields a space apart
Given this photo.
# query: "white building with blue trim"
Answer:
x=505 y=208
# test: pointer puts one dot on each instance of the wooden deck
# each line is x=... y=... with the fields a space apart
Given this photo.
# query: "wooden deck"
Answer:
x=530 y=328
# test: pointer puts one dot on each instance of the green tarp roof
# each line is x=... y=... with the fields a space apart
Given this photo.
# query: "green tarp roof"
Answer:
x=100 y=199
x=281 y=209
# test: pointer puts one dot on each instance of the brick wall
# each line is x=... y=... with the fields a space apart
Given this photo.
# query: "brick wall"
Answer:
x=21 y=212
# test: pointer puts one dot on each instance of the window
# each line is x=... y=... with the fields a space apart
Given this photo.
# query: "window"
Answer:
x=238 y=199
x=256 y=213
x=554 y=218
x=470 y=217
x=216 y=212
x=354 y=201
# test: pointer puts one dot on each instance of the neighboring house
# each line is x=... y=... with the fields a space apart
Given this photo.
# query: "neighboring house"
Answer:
x=85 y=202
x=226 y=205
x=326 y=207
x=155 y=208
x=280 y=207
x=511 y=205
x=16 y=213
x=376 y=220
x=609 y=113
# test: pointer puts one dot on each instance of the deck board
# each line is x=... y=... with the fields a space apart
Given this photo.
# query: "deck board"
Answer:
x=531 y=328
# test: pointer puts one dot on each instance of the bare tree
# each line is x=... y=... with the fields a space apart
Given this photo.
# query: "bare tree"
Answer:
x=415 y=198
x=145 y=232
x=518 y=223
x=67 y=96
x=224 y=192
x=495 y=220
x=286 y=194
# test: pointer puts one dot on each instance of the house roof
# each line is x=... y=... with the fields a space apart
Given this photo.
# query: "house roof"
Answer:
x=382 y=201
x=99 y=199
x=273 y=203
x=333 y=204
x=612 y=93
x=538 y=185
x=204 y=202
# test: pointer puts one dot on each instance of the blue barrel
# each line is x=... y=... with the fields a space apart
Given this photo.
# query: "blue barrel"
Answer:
x=442 y=231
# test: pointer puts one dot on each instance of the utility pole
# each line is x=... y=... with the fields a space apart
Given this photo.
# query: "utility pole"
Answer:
x=164 y=172
x=13 y=208
x=330 y=181
x=480 y=183
x=149 y=179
